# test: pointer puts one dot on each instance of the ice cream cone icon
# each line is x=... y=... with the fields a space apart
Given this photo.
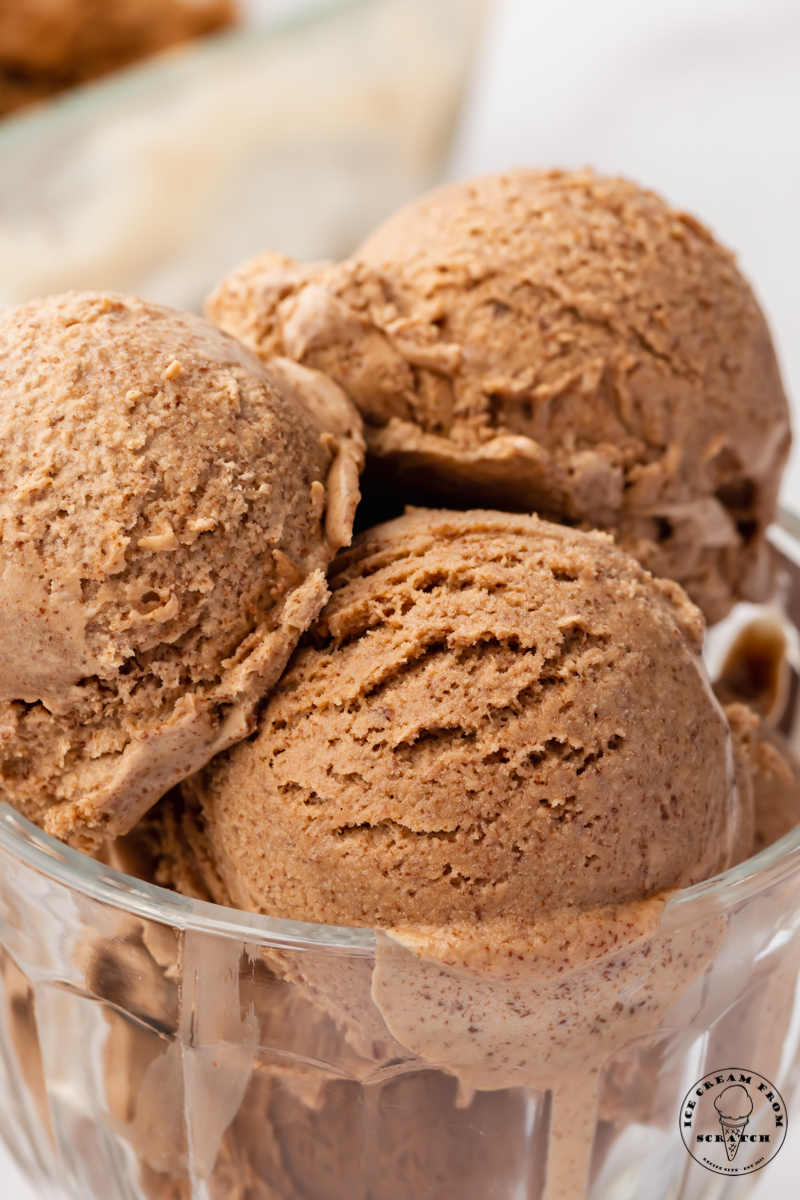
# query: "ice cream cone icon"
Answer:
x=734 y=1107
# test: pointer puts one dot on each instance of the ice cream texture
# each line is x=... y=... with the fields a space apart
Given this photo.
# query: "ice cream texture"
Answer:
x=755 y=679
x=168 y=507
x=497 y=727
x=49 y=45
x=555 y=342
x=487 y=735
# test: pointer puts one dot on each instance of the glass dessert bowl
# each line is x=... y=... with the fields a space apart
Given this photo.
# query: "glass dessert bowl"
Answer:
x=157 y=1046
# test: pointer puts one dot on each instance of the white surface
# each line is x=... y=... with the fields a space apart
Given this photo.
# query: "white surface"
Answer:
x=12 y=1184
x=697 y=98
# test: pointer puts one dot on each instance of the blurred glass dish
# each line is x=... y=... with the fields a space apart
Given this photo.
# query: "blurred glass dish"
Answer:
x=50 y=46
x=297 y=132
x=152 y=1046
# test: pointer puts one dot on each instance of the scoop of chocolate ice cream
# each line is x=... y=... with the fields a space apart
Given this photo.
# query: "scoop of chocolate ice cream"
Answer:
x=168 y=507
x=495 y=723
x=557 y=342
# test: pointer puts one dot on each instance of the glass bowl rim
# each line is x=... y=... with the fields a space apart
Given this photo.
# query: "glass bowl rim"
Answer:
x=51 y=858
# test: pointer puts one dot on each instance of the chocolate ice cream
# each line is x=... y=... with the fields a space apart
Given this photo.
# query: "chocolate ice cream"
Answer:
x=498 y=743
x=755 y=679
x=497 y=725
x=168 y=508
x=495 y=744
x=556 y=342
x=49 y=45
x=776 y=790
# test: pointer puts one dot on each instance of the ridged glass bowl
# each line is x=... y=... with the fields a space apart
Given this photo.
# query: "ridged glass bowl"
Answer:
x=152 y=1046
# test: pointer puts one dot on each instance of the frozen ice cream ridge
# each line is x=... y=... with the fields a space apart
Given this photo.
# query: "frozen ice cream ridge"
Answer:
x=496 y=720
x=498 y=744
x=734 y=1106
x=168 y=508
x=553 y=342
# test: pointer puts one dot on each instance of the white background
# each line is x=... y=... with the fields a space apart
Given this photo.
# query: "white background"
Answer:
x=699 y=99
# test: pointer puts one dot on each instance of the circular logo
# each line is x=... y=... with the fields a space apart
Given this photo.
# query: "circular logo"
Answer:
x=733 y=1122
